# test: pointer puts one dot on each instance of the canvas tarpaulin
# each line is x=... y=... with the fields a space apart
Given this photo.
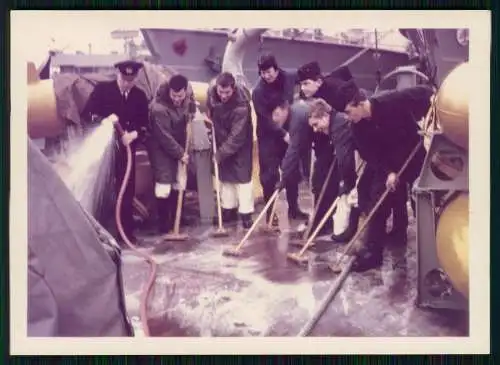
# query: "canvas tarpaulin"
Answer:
x=74 y=279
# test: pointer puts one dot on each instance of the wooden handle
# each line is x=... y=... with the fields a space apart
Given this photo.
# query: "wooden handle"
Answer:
x=379 y=203
x=273 y=198
x=318 y=228
x=182 y=166
x=320 y=198
x=217 y=190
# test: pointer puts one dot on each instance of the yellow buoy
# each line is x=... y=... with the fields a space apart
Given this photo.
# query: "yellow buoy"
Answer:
x=452 y=105
x=452 y=239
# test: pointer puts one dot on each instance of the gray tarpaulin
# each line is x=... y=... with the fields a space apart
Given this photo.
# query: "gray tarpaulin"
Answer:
x=74 y=278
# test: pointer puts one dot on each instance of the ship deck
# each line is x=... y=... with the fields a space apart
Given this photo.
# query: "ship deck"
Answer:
x=200 y=292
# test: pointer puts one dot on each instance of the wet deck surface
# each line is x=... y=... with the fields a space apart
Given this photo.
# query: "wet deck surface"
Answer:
x=200 y=292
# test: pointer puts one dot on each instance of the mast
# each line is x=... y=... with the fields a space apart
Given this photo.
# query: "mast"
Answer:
x=239 y=41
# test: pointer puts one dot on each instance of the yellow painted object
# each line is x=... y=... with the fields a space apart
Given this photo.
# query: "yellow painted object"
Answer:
x=452 y=105
x=452 y=239
x=43 y=119
x=32 y=73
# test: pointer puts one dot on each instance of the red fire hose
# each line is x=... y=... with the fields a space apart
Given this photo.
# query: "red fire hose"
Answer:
x=149 y=284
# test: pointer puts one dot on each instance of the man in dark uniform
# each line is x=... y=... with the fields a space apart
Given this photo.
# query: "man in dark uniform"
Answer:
x=123 y=100
x=275 y=84
x=314 y=85
x=170 y=112
x=386 y=132
x=302 y=121
x=229 y=108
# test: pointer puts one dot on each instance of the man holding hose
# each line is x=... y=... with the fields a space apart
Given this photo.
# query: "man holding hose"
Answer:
x=122 y=102
x=170 y=112
x=386 y=132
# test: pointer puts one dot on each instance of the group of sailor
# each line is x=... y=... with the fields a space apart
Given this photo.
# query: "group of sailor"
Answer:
x=297 y=113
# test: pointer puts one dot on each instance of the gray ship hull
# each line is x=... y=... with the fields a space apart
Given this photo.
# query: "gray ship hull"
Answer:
x=204 y=50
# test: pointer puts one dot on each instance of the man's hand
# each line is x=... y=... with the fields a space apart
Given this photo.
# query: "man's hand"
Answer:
x=217 y=157
x=112 y=118
x=185 y=159
x=392 y=181
x=286 y=138
x=206 y=120
x=280 y=185
x=129 y=137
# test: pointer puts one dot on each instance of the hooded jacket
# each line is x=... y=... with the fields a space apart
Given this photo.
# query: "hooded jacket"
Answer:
x=264 y=95
x=233 y=135
x=167 y=142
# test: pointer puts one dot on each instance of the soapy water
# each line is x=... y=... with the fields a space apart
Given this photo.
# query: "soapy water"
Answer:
x=88 y=166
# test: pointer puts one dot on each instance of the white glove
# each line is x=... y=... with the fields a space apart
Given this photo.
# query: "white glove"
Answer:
x=162 y=190
x=341 y=216
x=129 y=137
x=352 y=198
x=112 y=118
x=181 y=177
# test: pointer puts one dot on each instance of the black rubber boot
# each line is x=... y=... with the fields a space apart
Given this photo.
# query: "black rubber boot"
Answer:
x=215 y=220
x=292 y=196
x=172 y=209
x=367 y=259
x=164 y=215
x=229 y=216
x=246 y=220
x=297 y=214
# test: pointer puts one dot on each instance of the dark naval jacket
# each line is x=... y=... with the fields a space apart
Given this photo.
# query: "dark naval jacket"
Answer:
x=323 y=148
x=388 y=137
x=339 y=138
x=264 y=95
x=167 y=142
x=233 y=135
x=132 y=112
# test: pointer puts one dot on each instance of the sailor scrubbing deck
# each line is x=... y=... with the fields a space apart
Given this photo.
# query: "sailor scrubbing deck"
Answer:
x=314 y=85
x=275 y=85
x=386 y=131
x=229 y=109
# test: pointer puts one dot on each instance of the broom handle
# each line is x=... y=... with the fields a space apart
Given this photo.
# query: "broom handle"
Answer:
x=216 y=170
x=379 y=202
x=180 y=197
x=320 y=198
x=325 y=217
x=273 y=210
x=318 y=228
x=337 y=285
x=249 y=232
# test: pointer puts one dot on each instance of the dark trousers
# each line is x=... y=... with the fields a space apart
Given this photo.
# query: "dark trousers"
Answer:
x=271 y=153
x=370 y=189
x=126 y=215
x=399 y=208
x=305 y=165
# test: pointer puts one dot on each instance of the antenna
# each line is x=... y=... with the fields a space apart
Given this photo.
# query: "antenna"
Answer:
x=127 y=36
